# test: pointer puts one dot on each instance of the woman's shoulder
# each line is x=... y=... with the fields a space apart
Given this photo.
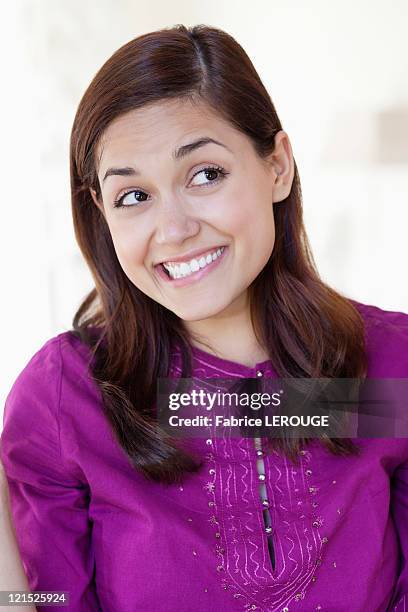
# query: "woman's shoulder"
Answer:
x=380 y=323
x=52 y=398
x=377 y=316
x=59 y=366
x=62 y=351
x=386 y=333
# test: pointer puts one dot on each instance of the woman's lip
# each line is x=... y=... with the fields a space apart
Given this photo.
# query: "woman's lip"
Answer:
x=195 y=276
x=191 y=255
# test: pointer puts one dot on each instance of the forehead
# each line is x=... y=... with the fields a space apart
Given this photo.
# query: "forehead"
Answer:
x=161 y=127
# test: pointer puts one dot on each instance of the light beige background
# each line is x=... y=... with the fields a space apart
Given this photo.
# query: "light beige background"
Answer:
x=337 y=73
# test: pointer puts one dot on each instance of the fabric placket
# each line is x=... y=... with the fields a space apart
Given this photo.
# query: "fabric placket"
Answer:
x=260 y=464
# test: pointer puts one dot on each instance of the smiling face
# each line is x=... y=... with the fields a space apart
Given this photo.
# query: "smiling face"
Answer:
x=182 y=187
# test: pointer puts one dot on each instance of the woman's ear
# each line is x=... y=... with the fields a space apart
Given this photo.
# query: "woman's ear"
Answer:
x=98 y=203
x=283 y=167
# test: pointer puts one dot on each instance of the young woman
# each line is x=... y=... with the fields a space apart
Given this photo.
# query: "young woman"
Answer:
x=187 y=208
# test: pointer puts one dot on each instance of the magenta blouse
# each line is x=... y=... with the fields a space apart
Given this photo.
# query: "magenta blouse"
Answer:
x=88 y=523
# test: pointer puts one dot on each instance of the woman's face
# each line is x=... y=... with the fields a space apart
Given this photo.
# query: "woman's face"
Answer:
x=196 y=224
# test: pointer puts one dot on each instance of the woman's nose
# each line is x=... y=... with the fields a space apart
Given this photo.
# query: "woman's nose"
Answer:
x=174 y=224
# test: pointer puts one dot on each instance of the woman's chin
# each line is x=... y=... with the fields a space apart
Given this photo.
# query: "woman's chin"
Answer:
x=189 y=313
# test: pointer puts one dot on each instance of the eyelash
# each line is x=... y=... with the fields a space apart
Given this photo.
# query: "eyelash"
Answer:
x=118 y=202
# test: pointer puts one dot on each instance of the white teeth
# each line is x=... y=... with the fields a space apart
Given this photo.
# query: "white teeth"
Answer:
x=185 y=269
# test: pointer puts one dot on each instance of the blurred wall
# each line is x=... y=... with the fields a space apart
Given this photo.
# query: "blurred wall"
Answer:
x=336 y=72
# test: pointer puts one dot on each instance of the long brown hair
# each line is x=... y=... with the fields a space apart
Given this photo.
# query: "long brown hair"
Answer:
x=308 y=329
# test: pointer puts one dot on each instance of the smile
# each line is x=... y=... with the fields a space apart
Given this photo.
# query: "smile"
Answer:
x=184 y=272
x=186 y=268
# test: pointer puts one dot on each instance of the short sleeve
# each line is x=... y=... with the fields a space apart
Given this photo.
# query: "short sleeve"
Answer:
x=49 y=505
x=399 y=510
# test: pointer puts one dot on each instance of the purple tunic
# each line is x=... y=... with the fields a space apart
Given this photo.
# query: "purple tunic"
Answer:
x=87 y=523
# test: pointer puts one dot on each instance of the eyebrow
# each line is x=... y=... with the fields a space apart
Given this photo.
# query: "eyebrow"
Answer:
x=177 y=154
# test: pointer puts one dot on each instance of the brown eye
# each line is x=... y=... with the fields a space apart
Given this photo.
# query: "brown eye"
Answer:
x=213 y=174
x=119 y=203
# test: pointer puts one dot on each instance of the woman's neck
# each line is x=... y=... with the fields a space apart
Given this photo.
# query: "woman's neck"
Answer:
x=242 y=353
x=229 y=335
